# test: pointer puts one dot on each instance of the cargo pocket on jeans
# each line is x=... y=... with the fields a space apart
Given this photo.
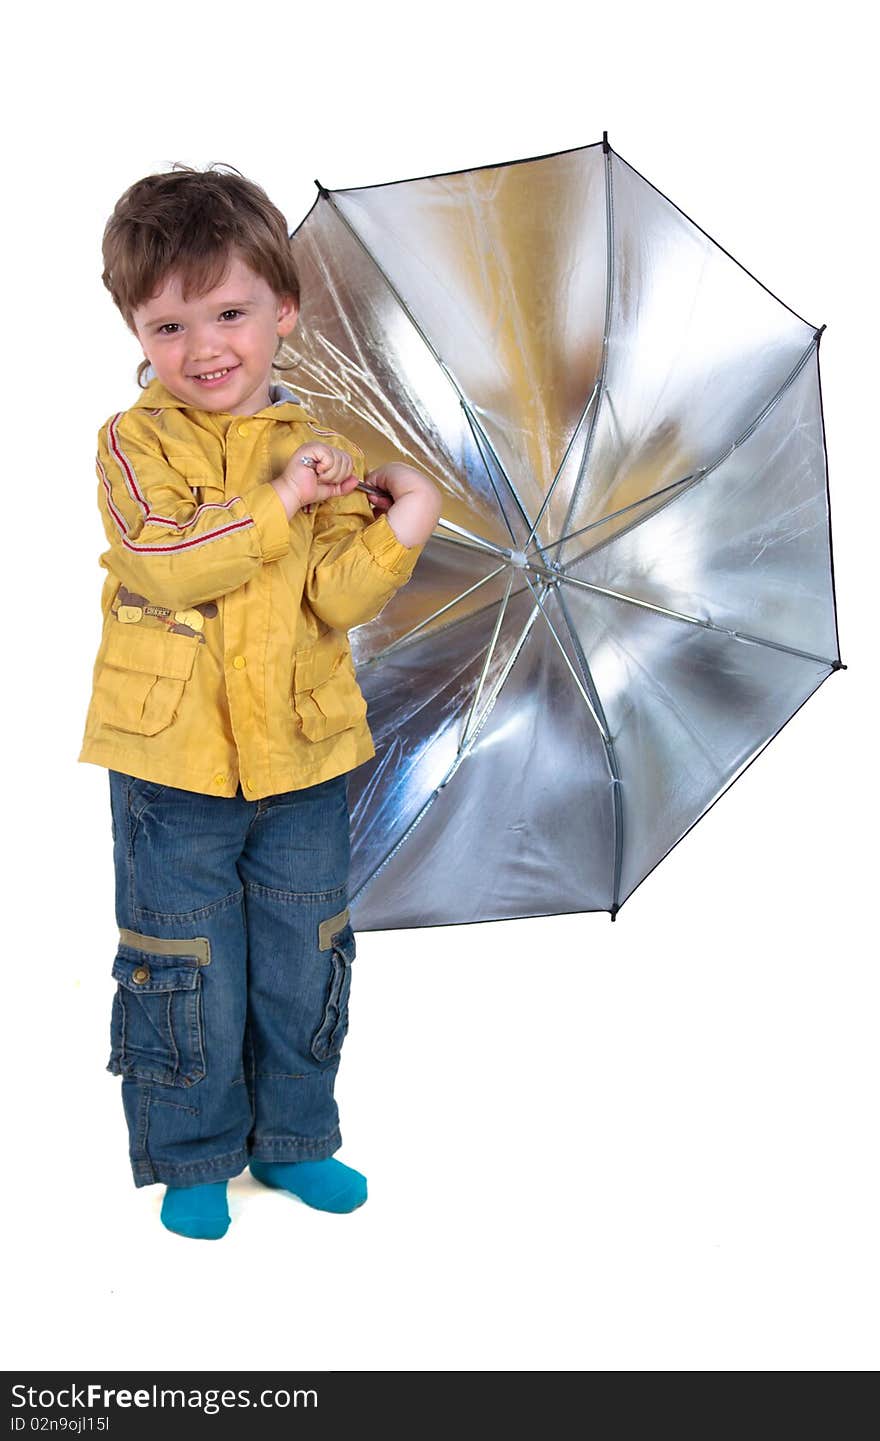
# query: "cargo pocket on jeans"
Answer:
x=327 y=1040
x=156 y=1028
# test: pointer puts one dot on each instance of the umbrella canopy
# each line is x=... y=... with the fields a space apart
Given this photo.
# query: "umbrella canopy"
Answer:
x=630 y=590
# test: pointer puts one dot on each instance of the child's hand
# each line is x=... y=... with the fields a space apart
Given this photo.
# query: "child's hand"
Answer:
x=415 y=503
x=377 y=491
x=314 y=473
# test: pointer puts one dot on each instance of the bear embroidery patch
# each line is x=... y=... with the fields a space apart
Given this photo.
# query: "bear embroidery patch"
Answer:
x=131 y=609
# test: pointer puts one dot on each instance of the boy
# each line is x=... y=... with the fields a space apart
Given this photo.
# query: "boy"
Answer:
x=226 y=708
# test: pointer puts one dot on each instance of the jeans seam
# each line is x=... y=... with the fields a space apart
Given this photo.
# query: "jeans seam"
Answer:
x=199 y=1165
x=213 y=1163
x=271 y=893
x=129 y=844
x=281 y=1075
x=299 y=1141
x=198 y=914
x=143 y=1125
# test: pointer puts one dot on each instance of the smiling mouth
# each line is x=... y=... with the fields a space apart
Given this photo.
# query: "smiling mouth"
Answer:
x=215 y=374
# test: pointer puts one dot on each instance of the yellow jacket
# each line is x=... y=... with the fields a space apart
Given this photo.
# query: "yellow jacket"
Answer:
x=224 y=653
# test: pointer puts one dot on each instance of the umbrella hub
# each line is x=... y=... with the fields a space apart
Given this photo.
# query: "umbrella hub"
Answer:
x=527 y=562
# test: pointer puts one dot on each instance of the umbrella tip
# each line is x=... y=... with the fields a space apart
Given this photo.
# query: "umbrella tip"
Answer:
x=322 y=190
x=605 y=148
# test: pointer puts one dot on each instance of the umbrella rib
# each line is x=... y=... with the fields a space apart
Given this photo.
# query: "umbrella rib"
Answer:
x=610 y=756
x=539 y=602
x=461 y=753
x=743 y=636
x=688 y=482
x=467 y=742
x=471 y=417
x=414 y=630
x=632 y=505
x=460 y=541
x=487 y=661
x=470 y=539
x=480 y=438
x=603 y=367
x=547 y=498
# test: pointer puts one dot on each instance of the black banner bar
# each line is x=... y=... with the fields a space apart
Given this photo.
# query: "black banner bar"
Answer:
x=118 y=1405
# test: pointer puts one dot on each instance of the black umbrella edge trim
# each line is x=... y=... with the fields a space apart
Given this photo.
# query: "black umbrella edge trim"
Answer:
x=465 y=170
x=827 y=494
x=550 y=155
x=613 y=910
x=693 y=222
x=831 y=671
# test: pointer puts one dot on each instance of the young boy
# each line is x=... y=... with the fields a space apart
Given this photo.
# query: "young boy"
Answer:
x=226 y=708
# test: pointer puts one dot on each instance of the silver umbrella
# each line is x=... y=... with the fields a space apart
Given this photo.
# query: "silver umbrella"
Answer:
x=631 y=588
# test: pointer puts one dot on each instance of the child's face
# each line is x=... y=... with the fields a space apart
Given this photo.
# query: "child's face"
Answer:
x=234 y=327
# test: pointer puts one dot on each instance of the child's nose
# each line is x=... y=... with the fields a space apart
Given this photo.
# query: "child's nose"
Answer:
x=204 y=344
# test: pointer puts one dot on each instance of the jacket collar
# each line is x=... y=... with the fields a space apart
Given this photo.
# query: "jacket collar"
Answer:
x=285 y=404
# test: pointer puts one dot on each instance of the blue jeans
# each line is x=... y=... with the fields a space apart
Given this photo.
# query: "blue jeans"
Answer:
x=233 y=974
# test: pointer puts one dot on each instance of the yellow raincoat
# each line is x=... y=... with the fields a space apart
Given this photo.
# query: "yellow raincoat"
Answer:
x=224 y=654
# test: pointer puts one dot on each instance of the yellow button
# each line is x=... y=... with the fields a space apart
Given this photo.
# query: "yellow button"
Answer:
x=140 y=975
x=220 y=780
x=239 y=662
x=249 y=783
x=244 y=430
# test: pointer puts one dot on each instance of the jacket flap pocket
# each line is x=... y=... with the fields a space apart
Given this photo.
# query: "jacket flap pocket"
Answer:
x=138 y=971
x=315 y=665
x=153 y=651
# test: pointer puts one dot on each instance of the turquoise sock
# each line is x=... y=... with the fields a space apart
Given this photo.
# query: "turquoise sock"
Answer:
x=327 y=1185
x=197 y=1211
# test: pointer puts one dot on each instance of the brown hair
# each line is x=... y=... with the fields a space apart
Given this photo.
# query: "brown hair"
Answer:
x=188 y=221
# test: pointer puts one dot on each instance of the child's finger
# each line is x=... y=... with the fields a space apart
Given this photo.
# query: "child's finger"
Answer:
x=343 y=467
x=323 y=456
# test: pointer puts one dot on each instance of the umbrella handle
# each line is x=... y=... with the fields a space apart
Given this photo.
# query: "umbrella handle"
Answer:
x=312 y=463
x=375 y=490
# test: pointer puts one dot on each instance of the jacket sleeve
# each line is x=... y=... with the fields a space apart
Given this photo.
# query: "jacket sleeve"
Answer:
x=163 y=544
x=355 y=563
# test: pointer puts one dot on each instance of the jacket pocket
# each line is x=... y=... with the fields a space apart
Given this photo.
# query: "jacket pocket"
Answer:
x=156 y=1028
x=328 y=1038
x=326 y=695
x=141 y=678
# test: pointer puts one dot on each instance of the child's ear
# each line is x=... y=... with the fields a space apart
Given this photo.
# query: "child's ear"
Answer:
x=288 y=310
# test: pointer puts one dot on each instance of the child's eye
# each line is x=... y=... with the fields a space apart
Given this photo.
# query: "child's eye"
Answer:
x=171 y=325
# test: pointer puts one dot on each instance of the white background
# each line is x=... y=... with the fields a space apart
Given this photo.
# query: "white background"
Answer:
x=647 y=1145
